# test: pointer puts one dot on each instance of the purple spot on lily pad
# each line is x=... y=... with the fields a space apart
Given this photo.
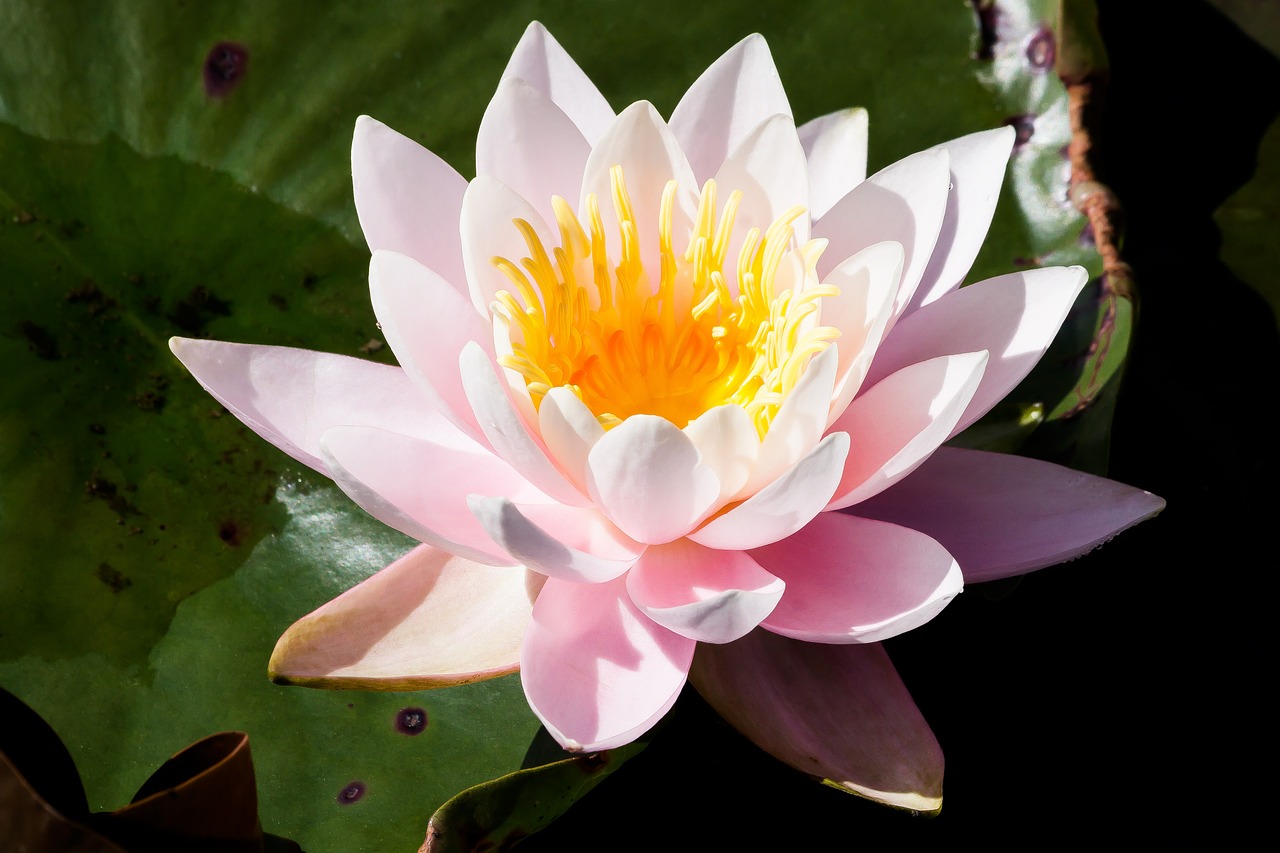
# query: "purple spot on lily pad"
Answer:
x=1041 y=49
x=1024 y=126
x=352 y=793
x=988 y=22
x=411 y=721
x=224 y=68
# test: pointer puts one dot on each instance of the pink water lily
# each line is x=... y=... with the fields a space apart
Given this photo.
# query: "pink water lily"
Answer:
x=671 y=404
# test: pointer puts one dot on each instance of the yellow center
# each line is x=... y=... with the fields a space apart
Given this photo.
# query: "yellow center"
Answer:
x=625 y=347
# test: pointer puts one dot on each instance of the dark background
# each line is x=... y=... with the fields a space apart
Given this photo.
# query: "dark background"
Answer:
x=1118 y=699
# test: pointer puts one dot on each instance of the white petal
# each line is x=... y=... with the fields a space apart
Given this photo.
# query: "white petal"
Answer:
x=569 y=430
x=868 y=282
x=977 y=170
x=526 y=142
x=541 y=62
x=489 y=210
x=737 y=92
x=1015 y=317
x=427 y=322
x=785 y=505
x=904 y=202
x=408 y=199
x=507 y=432
x=836 y=146
x=641 y=143
x=896 y=424
x=728 y=442
x=769 y=167
x=649 y=478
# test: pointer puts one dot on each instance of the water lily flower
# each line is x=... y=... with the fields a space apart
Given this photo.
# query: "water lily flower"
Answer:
x=671 y=403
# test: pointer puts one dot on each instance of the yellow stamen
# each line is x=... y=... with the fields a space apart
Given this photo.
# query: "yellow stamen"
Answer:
x=675 y=347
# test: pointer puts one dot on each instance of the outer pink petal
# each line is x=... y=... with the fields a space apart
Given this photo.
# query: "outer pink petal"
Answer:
x=1014 y=317
x=603 y=560
x=1003 y=515
x=420 y=488
x=641 y=143
x=291 y=396
x=427 y=620
x=427 y=322
x=977 y=170
x=489 y=209
x=785 y=505
x=507 y=432
x=408 y=199
x=526 y=142
x=597 y=672
x=853 y=580
x=541 y=62
x=905 y=203
x=896 y=424
x=836 y=147
x=737 y=92
x=838 y=713
x=649 y=478
x=706 y=595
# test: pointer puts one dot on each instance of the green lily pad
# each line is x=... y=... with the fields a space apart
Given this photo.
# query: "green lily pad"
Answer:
x=183 y=169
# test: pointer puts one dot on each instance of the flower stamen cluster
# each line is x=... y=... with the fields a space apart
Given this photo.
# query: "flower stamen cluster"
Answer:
x=625 y=347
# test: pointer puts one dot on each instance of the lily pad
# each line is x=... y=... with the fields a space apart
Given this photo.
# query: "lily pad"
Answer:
x=184 y=170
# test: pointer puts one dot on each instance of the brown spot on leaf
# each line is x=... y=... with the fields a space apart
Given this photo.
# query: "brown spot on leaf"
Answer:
x=114 y=579
x=102 y=489
x=39 y=341
x=229 y=531
x=352 y=792
x=411 y=721
x=224 y=68
x=194 y=311
x=1042 y=49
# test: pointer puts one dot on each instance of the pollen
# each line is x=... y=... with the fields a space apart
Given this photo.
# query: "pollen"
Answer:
x=672 y=342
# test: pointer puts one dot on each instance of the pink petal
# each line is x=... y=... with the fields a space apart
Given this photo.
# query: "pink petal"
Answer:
x=868 y=282
x=737 y=92
x=604 y=559
x=701 y=593
x=427 y=322
x=641 y=143
x=785 y=505
x=569 y=430
x=839 y=713
x=1014 y=317
x=291 y=396
x=1003 y=515
x=540 y=61
x=649 y=478
x=977 y=170
x=729 y=444
x=769 y=167
x=836 y=147
x=427 y=620
x=489 y=210
x=420 y=488
x=526 y=142
x=408 y=199
x=905 y=203
x=507 y=432
x=853 y=580
x=895 y=425
x=596 y=671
